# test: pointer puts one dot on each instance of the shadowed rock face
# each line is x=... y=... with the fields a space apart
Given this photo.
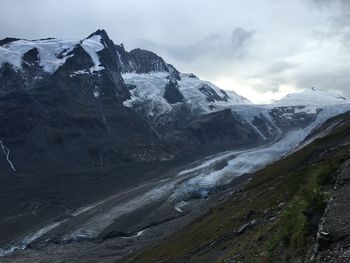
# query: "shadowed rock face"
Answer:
x=172 y=93
x=211 y=94
x=140 y=61
x=146 y=61
x=223 y=128
x=7 y=40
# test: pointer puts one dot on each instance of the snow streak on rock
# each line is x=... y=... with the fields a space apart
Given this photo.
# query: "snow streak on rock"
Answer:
x=92 y=45
x=6 y=151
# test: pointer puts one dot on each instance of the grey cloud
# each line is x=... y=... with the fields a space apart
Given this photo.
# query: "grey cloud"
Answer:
x=323 y=3
x=273 y=75
x=279 y=67
x=341 y=21
x=270 y=83
x=220 y=46
x=212 y=55
x=339 y=29
x=337 y=81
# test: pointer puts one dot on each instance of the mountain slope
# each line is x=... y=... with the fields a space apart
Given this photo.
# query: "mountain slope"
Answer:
x=275 y=218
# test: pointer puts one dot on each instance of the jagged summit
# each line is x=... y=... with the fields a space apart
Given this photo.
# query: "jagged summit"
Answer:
x=142 y=61
x=99 y=32
x=53 y=53
x=312 y=96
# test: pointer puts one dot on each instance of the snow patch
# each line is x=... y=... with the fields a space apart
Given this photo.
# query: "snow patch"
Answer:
x=52 y=52
x=6 y=151
x=26 y=241
x=92 y=45
x=306 y=109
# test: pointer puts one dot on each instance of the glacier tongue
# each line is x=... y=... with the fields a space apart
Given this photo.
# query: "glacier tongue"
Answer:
x=241 y=162
x=202 y=179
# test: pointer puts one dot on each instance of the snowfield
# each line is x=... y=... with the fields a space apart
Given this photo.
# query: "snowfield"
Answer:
x=49 y=51
x=150 y=87
x=53 y=52
x=92 y=45
x=311 y=97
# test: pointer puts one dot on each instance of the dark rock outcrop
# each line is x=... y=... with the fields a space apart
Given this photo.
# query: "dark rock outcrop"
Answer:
x=172 y=93
x=211 y=94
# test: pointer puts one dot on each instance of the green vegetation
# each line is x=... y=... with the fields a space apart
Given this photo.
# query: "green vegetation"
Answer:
x=310 y=200
x=283 y=198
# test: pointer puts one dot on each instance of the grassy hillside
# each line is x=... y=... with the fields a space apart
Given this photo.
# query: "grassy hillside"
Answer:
x=274 y=219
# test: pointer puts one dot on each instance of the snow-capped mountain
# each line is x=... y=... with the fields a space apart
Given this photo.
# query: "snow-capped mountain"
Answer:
x=149 y=78
x=312 y=96
x=88 y=103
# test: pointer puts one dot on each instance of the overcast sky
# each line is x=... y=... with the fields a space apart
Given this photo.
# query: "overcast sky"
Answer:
x=262 y=49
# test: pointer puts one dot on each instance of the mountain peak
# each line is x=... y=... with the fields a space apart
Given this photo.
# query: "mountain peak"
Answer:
x=312 y=96
x=99 y=32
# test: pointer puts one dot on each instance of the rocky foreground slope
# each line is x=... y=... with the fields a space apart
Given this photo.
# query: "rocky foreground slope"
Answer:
x=294 y=210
